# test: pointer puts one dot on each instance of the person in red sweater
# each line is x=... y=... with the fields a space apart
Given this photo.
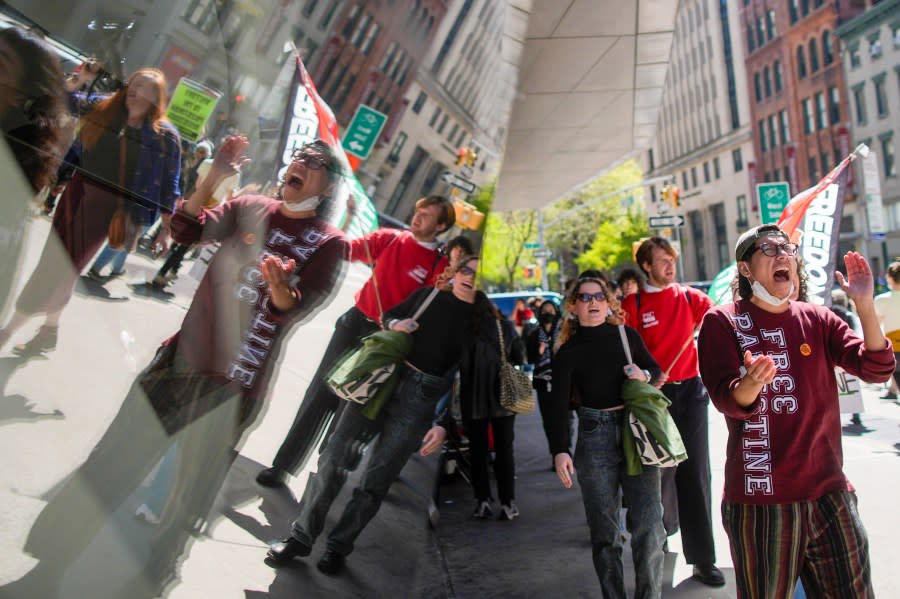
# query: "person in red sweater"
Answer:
x=666 y=314
x=402 y=261
x=788 y=508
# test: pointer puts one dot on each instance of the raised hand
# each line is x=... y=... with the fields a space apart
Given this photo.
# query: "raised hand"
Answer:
x=859 y=284
x=230 y=157
x=276 y=274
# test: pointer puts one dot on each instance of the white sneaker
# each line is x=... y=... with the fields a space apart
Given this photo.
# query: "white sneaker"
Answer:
x=146 y=514
x=483 y=510
x=509 y=512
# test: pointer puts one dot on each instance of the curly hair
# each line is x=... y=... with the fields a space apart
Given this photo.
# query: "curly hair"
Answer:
x=571 y=325
x=35 y=122
x=327 y=206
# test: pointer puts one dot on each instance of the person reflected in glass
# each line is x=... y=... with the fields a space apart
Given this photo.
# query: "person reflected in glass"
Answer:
x=35 y=124
x=129 y=156
x=592 y=361
x=279 y=263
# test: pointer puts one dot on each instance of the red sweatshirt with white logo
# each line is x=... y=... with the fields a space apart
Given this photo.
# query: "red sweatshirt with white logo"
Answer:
x=402 y=265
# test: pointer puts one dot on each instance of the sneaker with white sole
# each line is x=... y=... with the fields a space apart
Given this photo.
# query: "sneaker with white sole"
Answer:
x=146 y=514
x=483 y=510
x=508 y=512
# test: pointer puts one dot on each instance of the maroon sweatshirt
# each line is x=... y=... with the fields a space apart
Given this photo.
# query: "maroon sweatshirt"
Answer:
x=786 y=446
x=231 y=328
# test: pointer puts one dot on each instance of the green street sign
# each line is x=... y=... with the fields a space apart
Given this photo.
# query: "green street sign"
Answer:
x=772 y=197
x=363 y=131
x=532 y=245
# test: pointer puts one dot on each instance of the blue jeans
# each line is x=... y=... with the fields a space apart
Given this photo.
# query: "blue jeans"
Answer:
x=404 y=420
x=600 y=466
x=116 y=256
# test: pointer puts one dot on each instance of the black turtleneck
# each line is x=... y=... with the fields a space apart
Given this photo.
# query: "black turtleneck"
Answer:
x=591 y=364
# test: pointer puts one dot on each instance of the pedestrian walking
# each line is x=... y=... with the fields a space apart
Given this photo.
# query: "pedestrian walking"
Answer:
x=402 y=261
x=666 y=315
x=592 y=362
x=439 y=339
x=887 y=305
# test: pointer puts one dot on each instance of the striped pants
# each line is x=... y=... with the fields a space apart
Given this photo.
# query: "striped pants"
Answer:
x=822 y=542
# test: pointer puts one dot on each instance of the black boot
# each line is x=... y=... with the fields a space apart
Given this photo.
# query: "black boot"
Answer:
x=285 y=551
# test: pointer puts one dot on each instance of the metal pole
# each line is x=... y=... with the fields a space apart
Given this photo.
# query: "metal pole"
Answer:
x=680 y=253
x=542 y=262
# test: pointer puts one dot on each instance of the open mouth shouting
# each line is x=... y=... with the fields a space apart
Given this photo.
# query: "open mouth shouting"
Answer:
x=782 y=275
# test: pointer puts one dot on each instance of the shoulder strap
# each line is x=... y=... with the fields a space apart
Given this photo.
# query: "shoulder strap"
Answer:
x=502 y=342
x=625 y=345
x=637 y=301
x=425 y=303
x=684 y=289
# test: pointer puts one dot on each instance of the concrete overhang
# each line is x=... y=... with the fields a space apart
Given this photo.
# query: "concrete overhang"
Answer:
x=590 y=81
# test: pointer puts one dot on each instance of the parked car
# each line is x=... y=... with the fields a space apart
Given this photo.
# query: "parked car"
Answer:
x=506 y=301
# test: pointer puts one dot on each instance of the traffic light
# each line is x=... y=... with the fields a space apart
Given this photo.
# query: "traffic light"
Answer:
x=471 y=157
x=532 y=271
x=671 y=195
x=461 y=156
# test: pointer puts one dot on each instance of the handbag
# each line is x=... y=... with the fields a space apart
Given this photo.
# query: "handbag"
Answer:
x=648 y=448
x=515 y=387
x=354 y=379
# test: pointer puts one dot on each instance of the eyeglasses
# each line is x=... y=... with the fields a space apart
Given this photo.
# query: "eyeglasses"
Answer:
x=313 y=161
x=466 y=271
x=587 y=297
x=772 y=249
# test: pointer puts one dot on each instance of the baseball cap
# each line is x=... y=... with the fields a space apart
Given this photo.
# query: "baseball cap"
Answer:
x=746 y=241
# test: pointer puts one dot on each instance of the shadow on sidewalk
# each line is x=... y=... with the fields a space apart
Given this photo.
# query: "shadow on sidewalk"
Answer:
x=16 y=407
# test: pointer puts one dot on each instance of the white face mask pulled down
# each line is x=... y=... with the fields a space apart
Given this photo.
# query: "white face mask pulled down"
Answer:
x=303 y=205
x=761 y=292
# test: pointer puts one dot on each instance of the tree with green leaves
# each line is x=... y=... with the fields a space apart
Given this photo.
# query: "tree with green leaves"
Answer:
x=503 y=253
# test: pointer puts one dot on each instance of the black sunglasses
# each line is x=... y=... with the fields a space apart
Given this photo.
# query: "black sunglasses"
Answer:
x=466 y=271
x=587 y=297
x=772 y=249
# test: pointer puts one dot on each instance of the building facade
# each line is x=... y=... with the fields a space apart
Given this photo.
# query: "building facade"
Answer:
x=703 y=140
x=871 y=63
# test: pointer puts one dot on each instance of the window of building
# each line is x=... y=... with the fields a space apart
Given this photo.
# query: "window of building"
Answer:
x=808 y=125
x=801 y=63
x=812 y=166
x=875 y=46
x=767 y=78
x=770 y=25
x=785 y=128
x=369 y=40
x=722 y=246
x=459 y=140
x=761 y=127
x=881 y=103
x=435 y=116
x=834 y=106
x=717 y=171
x=443 y=124
x=821 y=118
x=773 y=133
x=419 y=103
x=853 y=50
x=827 y=49
x=201 y=14
x=394 y=156
x=684 y=180
x=804 y=8
x=309 y=8
x=361 y=28
x=329 y=13
x=813 y=56
x=793 y=11
x=737 y=160
x=742 y=221
x=757 y=86
x=895 y=35
x=760 y=32
x=888 y=165
x=859 y=103
x=751 y=41
x=706 y=178
x=779 y=77
x=694 y=182
x=453 y=132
